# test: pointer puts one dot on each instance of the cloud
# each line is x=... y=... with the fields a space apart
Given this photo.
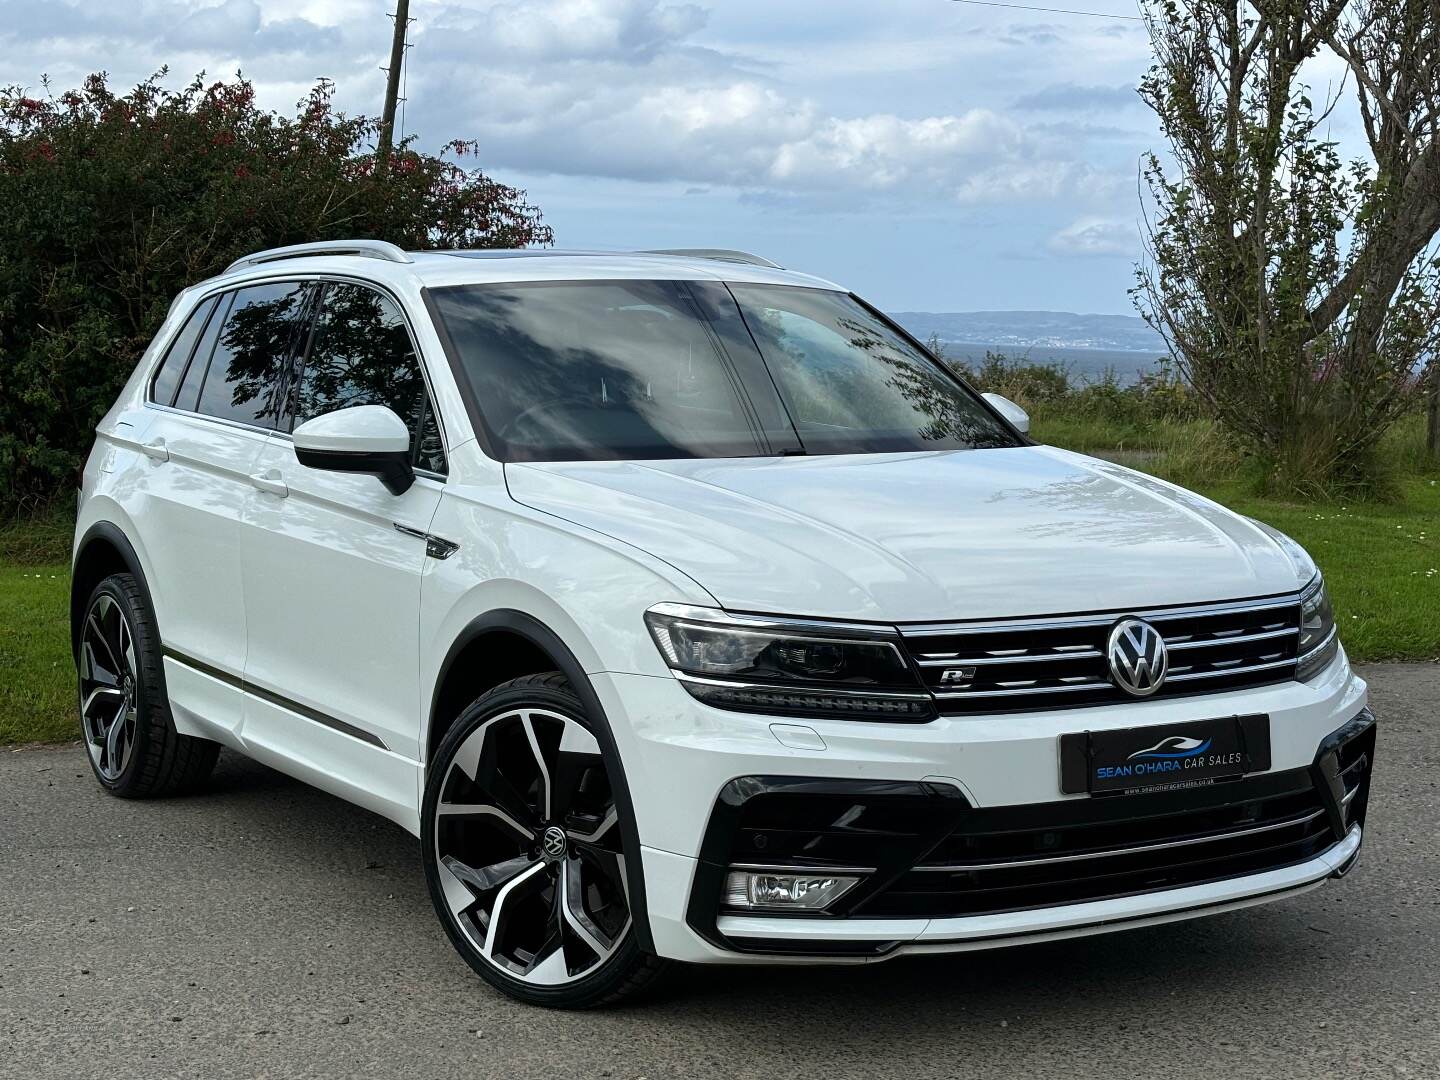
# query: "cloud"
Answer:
x=624 y=89
x=1074 y=97
x=1096 y=236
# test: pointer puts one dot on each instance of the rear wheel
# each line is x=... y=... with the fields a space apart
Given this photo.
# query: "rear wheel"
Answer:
x=524 y=851
x=134 y=748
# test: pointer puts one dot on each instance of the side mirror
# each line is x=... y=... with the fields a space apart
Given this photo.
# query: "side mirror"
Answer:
x=1010 y=411
x=362 y=439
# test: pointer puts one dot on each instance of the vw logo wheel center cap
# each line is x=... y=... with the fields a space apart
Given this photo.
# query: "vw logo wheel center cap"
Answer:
x=554 y=842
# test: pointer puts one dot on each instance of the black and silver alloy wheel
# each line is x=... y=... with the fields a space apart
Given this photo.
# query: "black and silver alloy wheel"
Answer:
x=525 y=854
x=108 y=687
x=125 y=718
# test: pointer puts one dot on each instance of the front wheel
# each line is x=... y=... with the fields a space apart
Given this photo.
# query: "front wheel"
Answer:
x=524 y=853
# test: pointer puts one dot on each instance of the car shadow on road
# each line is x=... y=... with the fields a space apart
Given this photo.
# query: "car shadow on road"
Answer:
x=1264 y=951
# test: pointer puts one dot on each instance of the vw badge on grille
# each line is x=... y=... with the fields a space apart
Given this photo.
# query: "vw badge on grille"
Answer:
x=1138 y=660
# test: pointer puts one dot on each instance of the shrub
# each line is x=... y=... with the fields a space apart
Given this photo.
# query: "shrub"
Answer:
x=115 y=202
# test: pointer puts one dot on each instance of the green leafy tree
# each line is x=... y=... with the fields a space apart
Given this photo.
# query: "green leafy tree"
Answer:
x=1299 y=293
x=114 y=202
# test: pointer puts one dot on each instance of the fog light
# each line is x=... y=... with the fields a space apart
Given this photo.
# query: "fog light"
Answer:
x=775 y=891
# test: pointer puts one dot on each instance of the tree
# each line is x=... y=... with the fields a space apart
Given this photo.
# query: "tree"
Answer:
x=115 y=202
x=1299 y=294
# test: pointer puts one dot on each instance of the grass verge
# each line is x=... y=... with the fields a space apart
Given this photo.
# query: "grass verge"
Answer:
x=1382 y=563
x=37 y=678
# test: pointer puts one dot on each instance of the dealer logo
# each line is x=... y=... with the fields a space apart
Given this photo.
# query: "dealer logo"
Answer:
x=1138 y=660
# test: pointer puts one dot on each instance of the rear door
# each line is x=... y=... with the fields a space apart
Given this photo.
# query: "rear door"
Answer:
x=213 y=401
x=333 y=564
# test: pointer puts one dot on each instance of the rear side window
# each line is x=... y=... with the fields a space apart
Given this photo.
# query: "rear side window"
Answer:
x=167 y=376
x=361 y=354
x=245 y=379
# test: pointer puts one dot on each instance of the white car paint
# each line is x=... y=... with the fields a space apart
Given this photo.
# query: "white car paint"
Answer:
x=298 y=582
x=362 y=429
x=914 y=537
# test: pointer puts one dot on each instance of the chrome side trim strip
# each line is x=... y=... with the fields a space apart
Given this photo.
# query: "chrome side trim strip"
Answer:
x=436 y=547
x=957 y=868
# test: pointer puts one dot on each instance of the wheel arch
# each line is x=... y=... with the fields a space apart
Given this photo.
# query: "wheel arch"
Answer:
x=103 y=550
x=528 y=637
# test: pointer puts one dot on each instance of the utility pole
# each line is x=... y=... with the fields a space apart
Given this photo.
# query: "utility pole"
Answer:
x=392 y=76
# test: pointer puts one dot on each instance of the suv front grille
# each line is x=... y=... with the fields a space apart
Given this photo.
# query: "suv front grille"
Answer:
x=1020 y=664
x=1010 y=859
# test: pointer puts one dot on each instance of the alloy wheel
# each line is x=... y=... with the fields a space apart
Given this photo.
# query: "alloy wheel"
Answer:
x=109 y=691
x=528 y=847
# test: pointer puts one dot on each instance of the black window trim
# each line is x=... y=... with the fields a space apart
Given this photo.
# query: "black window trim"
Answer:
x=222 y=288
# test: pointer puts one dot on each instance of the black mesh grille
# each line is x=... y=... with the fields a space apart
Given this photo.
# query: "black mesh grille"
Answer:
x=1061 y=663
x=1010 y=859
x=922 y=851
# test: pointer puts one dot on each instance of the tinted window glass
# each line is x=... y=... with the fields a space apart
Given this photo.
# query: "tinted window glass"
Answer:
x=430 y=447
x=361 y=355
x=162 y=390
x=245 y=379
x=614 y=369
x=852 y=384
x=188 y=395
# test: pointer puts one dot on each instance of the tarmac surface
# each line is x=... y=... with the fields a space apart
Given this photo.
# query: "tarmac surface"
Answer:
x=268 y=930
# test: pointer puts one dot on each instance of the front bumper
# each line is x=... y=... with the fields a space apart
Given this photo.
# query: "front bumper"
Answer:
x=976 y=792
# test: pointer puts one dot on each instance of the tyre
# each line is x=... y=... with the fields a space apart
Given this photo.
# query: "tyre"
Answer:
x=524 y=853
x=134 y=748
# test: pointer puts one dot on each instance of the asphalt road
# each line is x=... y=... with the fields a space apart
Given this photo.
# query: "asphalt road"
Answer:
x=268 y=930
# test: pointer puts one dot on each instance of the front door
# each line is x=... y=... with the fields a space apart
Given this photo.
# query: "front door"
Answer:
x=333 y=567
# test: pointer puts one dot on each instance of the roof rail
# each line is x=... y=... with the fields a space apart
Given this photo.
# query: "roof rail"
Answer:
x=369 y=249
x=723 y=254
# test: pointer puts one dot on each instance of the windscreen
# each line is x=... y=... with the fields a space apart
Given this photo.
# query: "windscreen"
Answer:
x=852 y=385
x=575 y=371
x=596 y=370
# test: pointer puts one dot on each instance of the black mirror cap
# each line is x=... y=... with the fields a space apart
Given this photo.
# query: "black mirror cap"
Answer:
x=393 y=468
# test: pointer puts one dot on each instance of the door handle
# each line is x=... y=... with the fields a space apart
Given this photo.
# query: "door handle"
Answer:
x=156 y=450
x=270 y=483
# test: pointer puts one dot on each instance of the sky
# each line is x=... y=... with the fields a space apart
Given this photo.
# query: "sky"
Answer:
x=931 y=155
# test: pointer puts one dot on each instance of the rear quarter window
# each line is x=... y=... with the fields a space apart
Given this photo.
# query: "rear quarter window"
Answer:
x=172 y=367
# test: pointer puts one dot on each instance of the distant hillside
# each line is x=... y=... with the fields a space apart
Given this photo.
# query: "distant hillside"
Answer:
x=1018 y=330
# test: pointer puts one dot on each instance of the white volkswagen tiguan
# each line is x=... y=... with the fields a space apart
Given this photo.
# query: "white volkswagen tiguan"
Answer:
x=686 y=609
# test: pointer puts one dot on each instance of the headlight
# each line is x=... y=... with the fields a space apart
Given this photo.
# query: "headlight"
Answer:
x=1318 y=641
x=794 y=667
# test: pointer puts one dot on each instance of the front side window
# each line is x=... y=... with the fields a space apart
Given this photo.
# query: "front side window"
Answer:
x=245 y=379
x=595 y=370
x=852 y=385
x=361 y=354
